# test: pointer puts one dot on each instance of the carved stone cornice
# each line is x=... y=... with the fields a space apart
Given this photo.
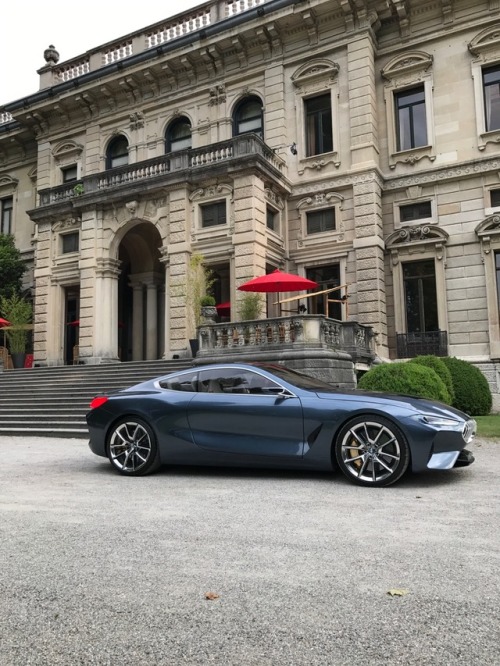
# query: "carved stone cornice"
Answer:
x=407 y=67
x=486 y=45
x=412 y=238
x=444 y=174
x=487 y=231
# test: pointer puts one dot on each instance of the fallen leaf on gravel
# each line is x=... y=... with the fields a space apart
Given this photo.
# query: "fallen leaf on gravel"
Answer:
x=397 y=593
x=418 y=496
x=211 y=595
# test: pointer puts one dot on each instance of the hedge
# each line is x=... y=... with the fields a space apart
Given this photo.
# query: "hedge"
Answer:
x=472 y=392
x=441 y=369
x=407 y=379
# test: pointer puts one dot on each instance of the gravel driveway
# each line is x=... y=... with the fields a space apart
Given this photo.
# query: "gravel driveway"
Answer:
x=100 y=569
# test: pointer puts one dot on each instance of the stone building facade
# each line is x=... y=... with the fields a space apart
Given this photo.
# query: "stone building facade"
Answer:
x=355 y=142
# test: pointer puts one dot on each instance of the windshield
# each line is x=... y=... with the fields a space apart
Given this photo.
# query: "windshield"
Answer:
x=298 y=379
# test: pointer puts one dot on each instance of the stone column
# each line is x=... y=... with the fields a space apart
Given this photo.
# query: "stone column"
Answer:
x=151 y=320
x=106 y=311
x=137 y=322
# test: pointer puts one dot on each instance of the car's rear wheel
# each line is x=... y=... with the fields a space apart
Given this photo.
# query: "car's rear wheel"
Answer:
x=372 y=451
x=132 y=447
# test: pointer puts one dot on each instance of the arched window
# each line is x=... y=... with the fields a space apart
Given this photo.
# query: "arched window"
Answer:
x=248 y=117
x=178 y=135
x=117 y=153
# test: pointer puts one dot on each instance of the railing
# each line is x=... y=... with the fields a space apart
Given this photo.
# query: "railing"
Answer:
x=5 y=117
x=296 y=331
x=225 y=151
x=163 y=32
x=410 y=345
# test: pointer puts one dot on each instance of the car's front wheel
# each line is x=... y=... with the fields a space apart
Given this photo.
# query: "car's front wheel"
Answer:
x=132 y=447
x=372 y=451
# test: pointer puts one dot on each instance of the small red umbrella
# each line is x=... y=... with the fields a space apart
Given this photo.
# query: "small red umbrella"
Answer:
x=278 y=281
x=4 y=322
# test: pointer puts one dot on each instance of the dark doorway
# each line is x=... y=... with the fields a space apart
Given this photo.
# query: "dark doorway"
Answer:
x=327 y=277
x=71 y=326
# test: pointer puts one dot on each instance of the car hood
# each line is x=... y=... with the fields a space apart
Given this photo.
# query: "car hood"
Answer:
x=385 y=400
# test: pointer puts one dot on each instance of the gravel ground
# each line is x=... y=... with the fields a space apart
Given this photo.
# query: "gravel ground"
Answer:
x=100 y=569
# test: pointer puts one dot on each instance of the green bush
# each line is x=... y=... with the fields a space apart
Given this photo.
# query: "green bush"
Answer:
x=441 y=369
x=472 y=392
x=407 y=379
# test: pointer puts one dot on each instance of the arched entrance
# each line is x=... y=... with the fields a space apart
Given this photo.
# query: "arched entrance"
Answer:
x=141 y=288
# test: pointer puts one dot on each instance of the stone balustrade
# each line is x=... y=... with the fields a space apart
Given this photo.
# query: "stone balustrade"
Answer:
x=239 y=147
x=287 y=333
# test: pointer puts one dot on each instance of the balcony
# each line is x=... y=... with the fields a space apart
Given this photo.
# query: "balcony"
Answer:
x=302 y=334
x=241 y=151
x=410 y=345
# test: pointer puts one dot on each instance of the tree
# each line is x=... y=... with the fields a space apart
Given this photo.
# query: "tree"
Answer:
x=12 y=267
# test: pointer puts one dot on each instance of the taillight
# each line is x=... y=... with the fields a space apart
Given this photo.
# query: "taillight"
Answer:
x=97 y=402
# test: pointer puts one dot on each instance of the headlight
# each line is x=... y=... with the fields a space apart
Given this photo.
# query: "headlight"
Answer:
x=440 y=421
x=469 y=431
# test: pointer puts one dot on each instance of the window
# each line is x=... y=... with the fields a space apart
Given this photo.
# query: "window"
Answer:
x=497 y=272
x=411 y=119
x=178 y=135
x=491 y=87
x=69 y=173
x=248 y=117
x=416 y=211
x=70 y=242
x=271 y=219
x=495 y=198
x=419 y=279
x=327 y=277
x=319 y=221
x=6 y=206
x=213 y=214
x=117 y=153
x=319 y=133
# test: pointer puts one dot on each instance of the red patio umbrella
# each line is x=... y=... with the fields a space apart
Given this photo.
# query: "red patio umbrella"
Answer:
x=278 y=281
x=224 y=309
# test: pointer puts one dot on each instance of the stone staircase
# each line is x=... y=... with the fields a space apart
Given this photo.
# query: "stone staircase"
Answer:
x=53 y=402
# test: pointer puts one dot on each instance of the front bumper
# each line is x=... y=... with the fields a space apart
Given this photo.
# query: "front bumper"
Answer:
x=449 y=459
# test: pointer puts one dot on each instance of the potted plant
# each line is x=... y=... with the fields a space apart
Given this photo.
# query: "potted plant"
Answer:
x=208 y=309
x=250 y=306
x=19 y=312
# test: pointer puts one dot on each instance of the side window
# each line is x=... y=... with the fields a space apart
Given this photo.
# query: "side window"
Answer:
x=69 y=173
x=236 y=381
x=248 y=117
x=186 y=382
x=318 y=118
x=178 y=135
x=411 y=118
x=117 y=153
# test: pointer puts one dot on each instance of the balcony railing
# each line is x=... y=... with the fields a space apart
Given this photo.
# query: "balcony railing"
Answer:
x=301 y=332
x=237 y=148
x=410 y=345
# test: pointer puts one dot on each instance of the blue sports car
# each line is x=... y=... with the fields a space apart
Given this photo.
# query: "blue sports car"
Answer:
x=264 y=415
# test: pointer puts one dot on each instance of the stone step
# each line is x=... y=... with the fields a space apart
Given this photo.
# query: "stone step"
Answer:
x=54 y=401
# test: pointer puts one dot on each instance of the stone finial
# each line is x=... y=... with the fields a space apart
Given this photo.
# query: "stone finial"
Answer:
x=51 y=55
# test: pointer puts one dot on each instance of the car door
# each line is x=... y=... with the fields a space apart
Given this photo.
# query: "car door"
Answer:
x=240 y=412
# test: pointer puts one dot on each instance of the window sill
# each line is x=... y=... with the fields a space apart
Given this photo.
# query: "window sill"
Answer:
x=411 y=157
x=319 y=162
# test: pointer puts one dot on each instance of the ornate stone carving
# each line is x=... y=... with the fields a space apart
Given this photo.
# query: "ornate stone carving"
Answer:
x=217 y=95
x=413 y=65
x=136 y=120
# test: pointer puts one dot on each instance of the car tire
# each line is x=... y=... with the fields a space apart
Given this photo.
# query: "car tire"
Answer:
x=372 y=451
x=132 y=447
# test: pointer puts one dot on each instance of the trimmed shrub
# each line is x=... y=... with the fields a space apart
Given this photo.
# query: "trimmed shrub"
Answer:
x=472 y=392
x=441 y=370
x=407 y=379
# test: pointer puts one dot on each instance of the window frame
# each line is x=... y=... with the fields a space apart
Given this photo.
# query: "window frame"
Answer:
x=64 y=238
x=177 y=122
x=67 y=169
x=217 y=205
x=411 y=107
x=110 y=158
x=6 y=213
x=322 y=213
x=318 y=116
x=241 y=104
